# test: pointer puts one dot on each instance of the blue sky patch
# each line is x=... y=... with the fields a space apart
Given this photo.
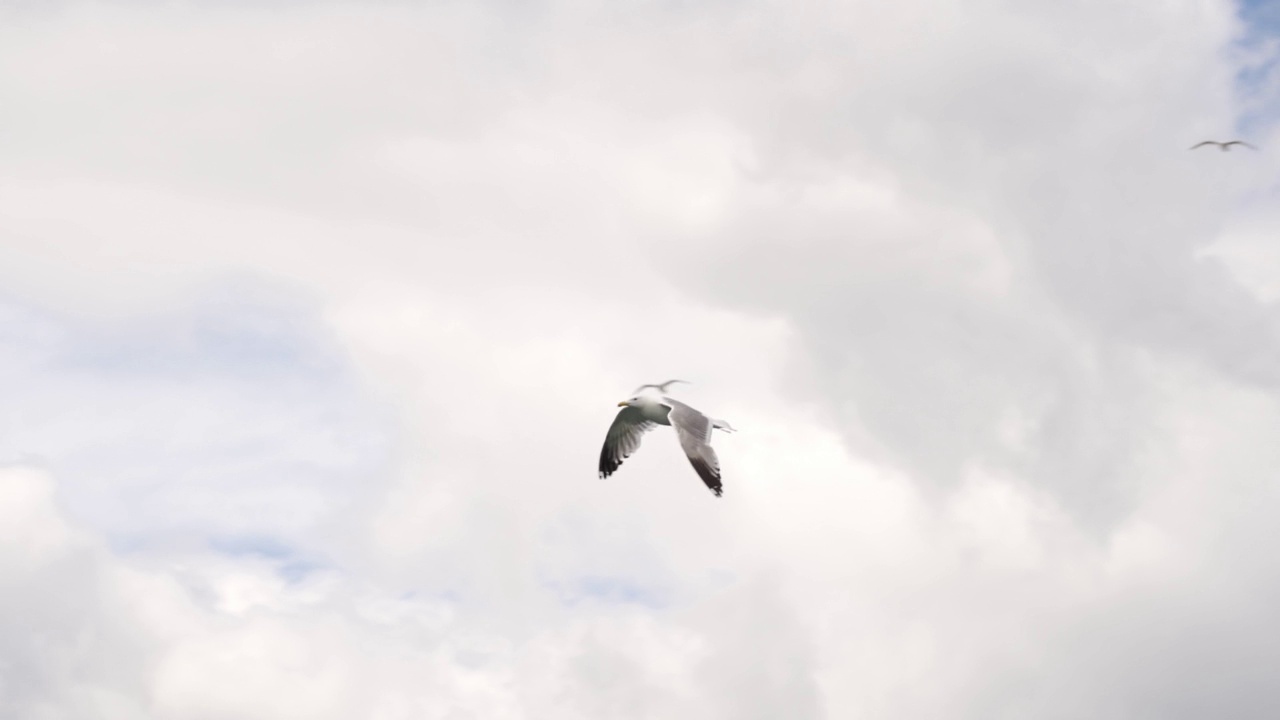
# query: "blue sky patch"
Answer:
x=611 y=590
x=235 y=417
x=1258 y=81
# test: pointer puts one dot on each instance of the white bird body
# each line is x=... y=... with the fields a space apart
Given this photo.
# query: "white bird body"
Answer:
x=652 y=410
x=659 y=411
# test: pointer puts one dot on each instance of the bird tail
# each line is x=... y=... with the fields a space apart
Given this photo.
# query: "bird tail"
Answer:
x=721 y=424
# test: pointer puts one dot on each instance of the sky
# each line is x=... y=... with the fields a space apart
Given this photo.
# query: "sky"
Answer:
x=314 y=315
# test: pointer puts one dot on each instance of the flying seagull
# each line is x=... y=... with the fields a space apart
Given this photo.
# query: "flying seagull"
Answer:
x=661 y=387
x=643 y=413
x=1224 y=146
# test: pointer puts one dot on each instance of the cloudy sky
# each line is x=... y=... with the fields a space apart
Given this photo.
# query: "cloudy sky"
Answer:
x=313 y=316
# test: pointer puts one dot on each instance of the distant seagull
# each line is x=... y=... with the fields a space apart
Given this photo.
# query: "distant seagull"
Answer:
x=1225 y=146
x=643 y=413
x=661 y=387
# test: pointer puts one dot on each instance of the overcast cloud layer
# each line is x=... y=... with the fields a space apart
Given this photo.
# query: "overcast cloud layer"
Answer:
x=314 y=316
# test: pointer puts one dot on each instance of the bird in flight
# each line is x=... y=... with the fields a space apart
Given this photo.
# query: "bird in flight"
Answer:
x=643 y=413
x=1224 y=146
x=661 y=387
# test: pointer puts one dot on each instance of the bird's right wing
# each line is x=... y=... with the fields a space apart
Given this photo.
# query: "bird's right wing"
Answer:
x=694 y=431
x=1241 y=142
x=623 y=439
x=1201 y=144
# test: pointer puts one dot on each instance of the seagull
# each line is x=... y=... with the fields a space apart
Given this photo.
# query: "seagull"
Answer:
x=643 y=413
x=661 y=387
x=1225 y=146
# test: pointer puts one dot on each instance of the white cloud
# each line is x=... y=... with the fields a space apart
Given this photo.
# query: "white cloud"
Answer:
x=318 y=312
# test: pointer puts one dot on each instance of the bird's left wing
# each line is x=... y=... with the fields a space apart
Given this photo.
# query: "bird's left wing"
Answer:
x=623 y=439
x=694 y=431
x=1202 y=144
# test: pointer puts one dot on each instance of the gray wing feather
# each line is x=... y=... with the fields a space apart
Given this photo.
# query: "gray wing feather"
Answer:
x=623 y=439
x=694 y=430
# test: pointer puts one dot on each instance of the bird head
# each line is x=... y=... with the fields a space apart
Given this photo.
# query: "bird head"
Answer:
x=631 y=402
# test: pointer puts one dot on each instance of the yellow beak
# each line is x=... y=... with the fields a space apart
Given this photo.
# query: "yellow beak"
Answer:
x=622 y=404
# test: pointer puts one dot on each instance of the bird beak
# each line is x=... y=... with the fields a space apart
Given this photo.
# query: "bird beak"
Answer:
x=622 y=404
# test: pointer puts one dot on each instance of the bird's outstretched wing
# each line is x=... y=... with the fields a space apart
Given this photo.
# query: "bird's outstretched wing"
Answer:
x=694 y=431
x=1202 y=144
x=661 y=387
x=1239 y=142
x=623 y=439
